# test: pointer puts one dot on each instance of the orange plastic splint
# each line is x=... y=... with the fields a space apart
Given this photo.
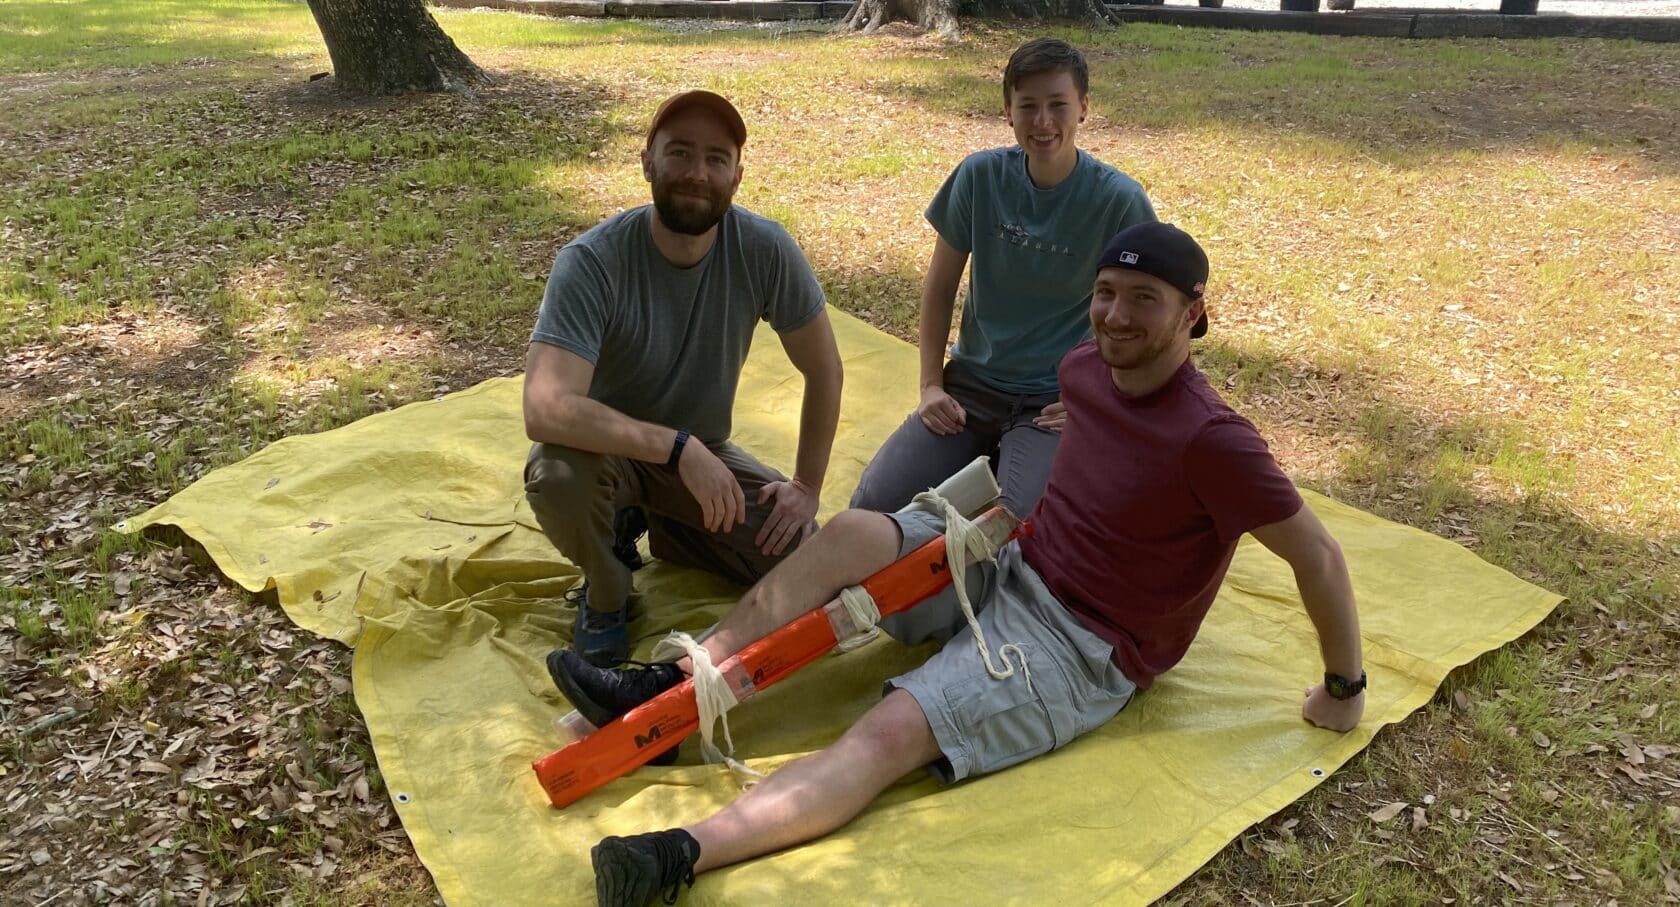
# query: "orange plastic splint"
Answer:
x=627 y=743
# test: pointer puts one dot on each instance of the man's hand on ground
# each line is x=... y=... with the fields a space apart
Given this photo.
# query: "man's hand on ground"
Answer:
x=790 y=518
x=1331 y=713
x=941 y=412
x=1052 y=417
x=723 y=505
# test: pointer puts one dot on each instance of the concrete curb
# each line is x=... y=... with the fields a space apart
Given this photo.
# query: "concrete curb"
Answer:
x=1406 y=24
x=747 y=10
x=1376 y=23
x=1493 y=25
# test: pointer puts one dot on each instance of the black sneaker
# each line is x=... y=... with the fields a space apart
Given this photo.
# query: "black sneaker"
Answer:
x=630 y=872
x=629 y=525
x=603 y=694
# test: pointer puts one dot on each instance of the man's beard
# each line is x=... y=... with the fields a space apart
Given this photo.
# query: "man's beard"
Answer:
x=685 y=214
x=1136 y=355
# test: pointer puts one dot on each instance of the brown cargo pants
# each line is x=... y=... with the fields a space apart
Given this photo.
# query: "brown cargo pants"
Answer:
x=575 y=494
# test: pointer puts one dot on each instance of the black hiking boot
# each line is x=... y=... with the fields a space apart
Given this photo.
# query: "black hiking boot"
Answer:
x=629 y=525
x=603 y=694
x=631 y=872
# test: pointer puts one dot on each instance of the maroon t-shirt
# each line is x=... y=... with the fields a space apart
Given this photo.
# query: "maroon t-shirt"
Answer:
x=1147 y=498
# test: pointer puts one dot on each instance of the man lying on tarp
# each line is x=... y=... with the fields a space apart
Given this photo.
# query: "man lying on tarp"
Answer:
x=1155 y=480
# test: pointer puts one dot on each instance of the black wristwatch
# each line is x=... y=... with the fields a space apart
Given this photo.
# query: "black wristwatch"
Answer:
x=1340 y=687
x=676 y=449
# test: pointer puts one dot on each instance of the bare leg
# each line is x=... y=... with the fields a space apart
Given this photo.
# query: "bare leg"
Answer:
x=823 y=791
x=853 y=545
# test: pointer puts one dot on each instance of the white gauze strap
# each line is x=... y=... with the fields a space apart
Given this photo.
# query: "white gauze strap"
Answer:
x=713 y=698
x=863 y=613
x=963 y=539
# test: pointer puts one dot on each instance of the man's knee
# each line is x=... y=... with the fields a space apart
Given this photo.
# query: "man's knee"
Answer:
x=857 y=522
x=866 y=535
x=556 y=475
x=894 y=733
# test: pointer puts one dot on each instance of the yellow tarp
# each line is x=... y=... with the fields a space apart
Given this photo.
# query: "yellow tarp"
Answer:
x=407 y=535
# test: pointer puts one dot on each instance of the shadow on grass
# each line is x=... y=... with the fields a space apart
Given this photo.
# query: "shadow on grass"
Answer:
x=1482 y=481
x=267 y=229
x=1404 y=102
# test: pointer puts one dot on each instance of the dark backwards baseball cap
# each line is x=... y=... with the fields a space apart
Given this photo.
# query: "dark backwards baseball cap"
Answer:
x=1165 y=252
x=705 y=100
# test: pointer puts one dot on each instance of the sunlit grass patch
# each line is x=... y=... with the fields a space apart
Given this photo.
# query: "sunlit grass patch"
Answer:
x=67 y=35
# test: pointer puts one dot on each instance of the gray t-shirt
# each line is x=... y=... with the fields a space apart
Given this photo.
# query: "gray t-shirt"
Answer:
x=668 y=343
x=1033 y=257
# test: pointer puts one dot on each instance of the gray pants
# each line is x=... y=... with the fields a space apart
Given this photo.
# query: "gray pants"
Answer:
x=999 y=426
x=574 y=495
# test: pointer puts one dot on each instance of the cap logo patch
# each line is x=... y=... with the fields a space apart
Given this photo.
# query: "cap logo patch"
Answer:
x=1128 y=258
x=1198 y=288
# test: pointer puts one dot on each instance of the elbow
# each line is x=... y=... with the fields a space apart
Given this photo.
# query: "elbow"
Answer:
x=1332 y=554
x=828 y=373
x=547 y=424
x=1328 y=562
x=836 y=375
x=1317 y=559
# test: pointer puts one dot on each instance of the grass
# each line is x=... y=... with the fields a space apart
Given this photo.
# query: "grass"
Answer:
x=1444 y=284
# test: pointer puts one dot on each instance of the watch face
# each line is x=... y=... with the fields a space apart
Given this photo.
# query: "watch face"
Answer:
x=1340 y=687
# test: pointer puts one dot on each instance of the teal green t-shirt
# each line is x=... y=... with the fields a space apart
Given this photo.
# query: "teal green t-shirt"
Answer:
x=1032 y=259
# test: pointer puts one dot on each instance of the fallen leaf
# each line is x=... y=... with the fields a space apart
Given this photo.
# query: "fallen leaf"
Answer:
x=1387 y=813
x=1648 y=712
x=1419 y=821
x=1462 y=700
x=1540 y=740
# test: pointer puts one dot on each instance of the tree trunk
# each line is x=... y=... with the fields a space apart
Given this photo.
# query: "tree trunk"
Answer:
x=382 y=47
x=940 y=16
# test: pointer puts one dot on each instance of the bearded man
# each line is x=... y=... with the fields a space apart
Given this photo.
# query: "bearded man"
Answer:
x=631 y=374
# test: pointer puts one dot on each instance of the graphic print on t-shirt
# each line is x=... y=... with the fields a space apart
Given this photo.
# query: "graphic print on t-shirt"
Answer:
x=1017 y=235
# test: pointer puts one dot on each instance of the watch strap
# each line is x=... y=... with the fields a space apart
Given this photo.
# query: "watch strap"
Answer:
x=677 y=448
x=1340 y=687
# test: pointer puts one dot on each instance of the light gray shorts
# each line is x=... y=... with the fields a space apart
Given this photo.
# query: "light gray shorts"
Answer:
x=984 y=724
